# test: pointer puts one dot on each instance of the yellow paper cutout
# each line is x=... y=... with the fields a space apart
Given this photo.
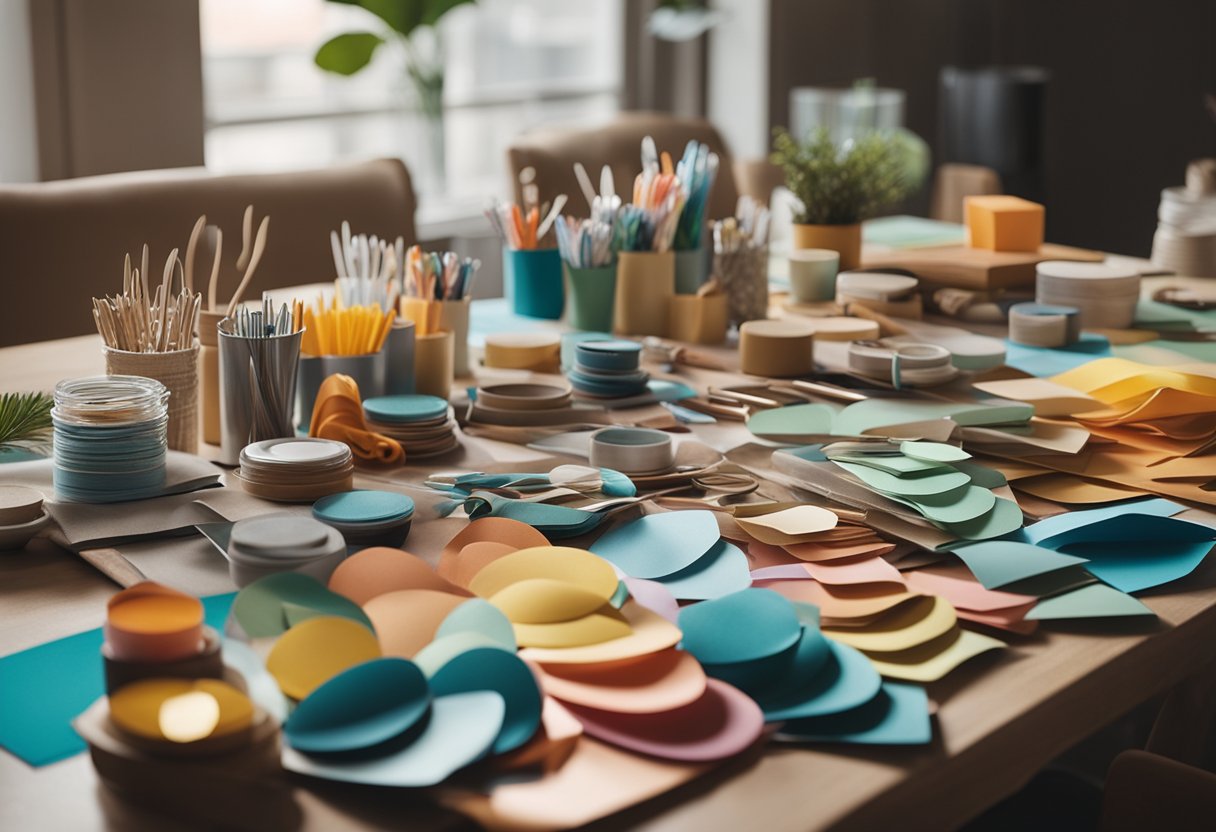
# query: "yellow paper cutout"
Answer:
x=317 y=649
x=922 y=664
x=651 y=633
x=789 y=526
x=1115 y=379
x=903 y=628
x=560 y=563
x=546 y=601
x=603 y=625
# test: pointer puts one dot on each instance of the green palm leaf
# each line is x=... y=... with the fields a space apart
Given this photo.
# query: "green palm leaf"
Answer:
x=25 y=418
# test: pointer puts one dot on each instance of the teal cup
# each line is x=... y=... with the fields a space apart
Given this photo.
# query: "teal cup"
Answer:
x=692 y=270
x=533 y=282
x=592 y=293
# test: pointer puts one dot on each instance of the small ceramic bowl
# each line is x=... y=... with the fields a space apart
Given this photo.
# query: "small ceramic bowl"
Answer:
x=16 y=536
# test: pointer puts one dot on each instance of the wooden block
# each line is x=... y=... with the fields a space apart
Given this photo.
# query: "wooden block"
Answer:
x=976 y=268
x=1003 y=223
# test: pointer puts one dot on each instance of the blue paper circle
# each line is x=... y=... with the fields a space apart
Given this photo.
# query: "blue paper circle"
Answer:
x=405 y=409
x=743 y=626
x=487 y=668
x=363 y=506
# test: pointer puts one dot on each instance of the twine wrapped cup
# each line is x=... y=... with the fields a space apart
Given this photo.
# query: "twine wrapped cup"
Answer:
x=744 y=276
x=178 y=371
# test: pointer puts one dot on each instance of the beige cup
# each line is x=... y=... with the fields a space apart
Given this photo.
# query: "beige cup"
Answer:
x=209 y=374
x=178 y=371
x=813 y=274
x=434 y=361
x=698 y=319
x=454 y=317
x=645 y=285
x=777 y=349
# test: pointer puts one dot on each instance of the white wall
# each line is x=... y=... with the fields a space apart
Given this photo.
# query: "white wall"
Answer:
x=738 y=76
x=18 y=128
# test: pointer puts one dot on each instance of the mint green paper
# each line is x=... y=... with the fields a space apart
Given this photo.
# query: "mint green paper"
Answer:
x=720 y=571
x=261 y=608
x=996 y=563
x=792 y=422
x=1093 y=601
x=906 y=486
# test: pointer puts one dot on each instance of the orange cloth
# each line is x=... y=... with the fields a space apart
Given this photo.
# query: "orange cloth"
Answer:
x=338 y=415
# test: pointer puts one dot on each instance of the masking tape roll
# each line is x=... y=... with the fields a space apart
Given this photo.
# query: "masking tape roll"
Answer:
x=539 y=352
x=632 y=450
x=777 y=349
x=904 y=365
x=1040 y=325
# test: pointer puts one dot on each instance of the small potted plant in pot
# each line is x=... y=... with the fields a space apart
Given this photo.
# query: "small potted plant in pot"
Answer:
x=841 y=185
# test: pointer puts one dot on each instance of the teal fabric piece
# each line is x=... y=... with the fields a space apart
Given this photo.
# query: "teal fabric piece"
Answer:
x=44 y=688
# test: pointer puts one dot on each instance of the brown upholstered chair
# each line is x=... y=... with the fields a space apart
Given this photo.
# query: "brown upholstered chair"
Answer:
x=553 y=152
x=1146 y=791
x=61 y=243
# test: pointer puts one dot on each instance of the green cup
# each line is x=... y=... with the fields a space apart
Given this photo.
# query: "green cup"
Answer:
x=591 y=292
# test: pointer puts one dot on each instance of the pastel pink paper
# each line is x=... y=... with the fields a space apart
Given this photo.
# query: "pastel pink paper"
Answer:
x=962 y=593
x=864 y=571
x=655 y=597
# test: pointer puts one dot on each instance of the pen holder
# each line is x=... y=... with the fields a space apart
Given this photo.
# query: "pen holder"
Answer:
x=368 y=372
x=592 y=293
x=257 y=389
x=645 y=284
x=209 y=374
x=454 y=317
x=692 y=269
x=744 y=277
x=698 y=319
x=399 y=359
x=533 y=280
x=434 y=356
x=178 y=371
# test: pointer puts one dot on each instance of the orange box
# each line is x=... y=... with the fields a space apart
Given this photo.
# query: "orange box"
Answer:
x=1003 y=223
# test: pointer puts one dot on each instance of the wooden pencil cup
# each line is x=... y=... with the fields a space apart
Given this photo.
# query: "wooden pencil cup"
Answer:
x=209 y=374
x=698 y=319
x=178 y=371
x=434 y=360
x=454 y=317
x=645 y=284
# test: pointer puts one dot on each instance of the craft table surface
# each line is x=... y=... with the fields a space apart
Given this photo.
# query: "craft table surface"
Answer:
x=1000 y=718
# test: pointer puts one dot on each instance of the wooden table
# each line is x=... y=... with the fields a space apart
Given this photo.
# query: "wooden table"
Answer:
x=1000 y=718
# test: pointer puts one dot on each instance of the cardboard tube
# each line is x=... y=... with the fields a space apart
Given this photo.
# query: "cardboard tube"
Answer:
x=645 y=284
x=777 y=349
x=540 y=352
x=434 y=357
x=698 y=319
x=454 y=317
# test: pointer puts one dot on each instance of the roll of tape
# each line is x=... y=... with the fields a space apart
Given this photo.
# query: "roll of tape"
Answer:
x=1040 y=325
x=904 y=365
x=777 y=349
x=879 y=286
x=1104 y=295
x=539 y=352
x=632 y=450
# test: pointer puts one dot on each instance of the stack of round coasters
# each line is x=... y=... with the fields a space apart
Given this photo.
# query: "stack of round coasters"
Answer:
x=367 y=518
x=422 y=424
x=608 y=369
x=1039 y=325
x=539 y=352
x=110 y=439
x=527 y=404
x=285 y=542
x=1104 y=296
x=296 y=470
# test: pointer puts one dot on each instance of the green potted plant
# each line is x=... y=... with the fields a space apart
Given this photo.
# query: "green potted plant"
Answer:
x=411 y=25
x=838 y=186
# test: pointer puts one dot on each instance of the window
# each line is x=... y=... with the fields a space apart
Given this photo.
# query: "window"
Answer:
x=510 y=65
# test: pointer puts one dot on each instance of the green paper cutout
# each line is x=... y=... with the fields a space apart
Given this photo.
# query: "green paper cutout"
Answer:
x=997 y=563
x=906 y=486
x=1093 y=601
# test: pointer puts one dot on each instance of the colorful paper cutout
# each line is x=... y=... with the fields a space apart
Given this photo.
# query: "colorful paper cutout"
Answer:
x=505 y=674
x=793 y=423
x=362 y=707
x=259 y=607
x=925 y=485
x=314 y=651
x=933 y=451
x=545 y=601
x=559 y=563
x=740 y=627
x=789 y=526
x=935 y=659
x=900 y=629
x=380 y=569
x=461 y=730
x=720 y=571
x=659 y=682
x=477 y=615
x=845 y=680
x=658 y=544
x=998 y=563
x=1093 y=601
x=650 y=634
x=898 y=715
x=406 y=620
x=605 y=624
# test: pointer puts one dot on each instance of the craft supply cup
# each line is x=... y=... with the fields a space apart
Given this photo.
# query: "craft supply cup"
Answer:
x=434 y=355
x=454 y=317
x=692 y=269
x=591 y=293
x=368 y=371
x=533 y=280
x=776 y=349
x=209 y=374
x=257 y=389
x=645 y=284
x=813 y=274
x=399 y=359
x=698 y=319
x=178 y=371
x=744 y=278
x=632 y=450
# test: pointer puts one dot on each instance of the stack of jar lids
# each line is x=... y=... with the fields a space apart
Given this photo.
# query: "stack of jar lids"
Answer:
x=1038 y=325
x=110 y=439
x=284 y=542
x=1104 y=295
x=367 y=518
x=608 y=369
x=887 y=293
x=296 y=470
x=522 y=405
x=422 y=424
x=1185 y=242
